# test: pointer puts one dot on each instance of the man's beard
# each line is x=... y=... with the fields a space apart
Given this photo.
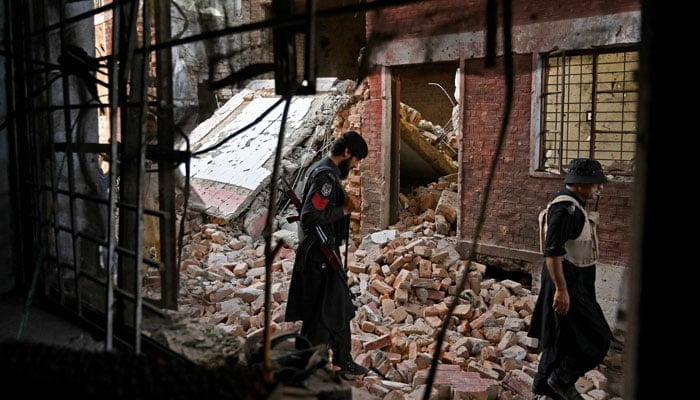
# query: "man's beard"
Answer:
x=344 y=167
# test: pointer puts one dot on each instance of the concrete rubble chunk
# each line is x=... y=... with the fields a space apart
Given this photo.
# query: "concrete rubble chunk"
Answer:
x=448 y=205
x=248 y=294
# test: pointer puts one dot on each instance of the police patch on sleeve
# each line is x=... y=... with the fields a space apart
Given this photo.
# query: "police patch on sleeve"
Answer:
x=326 y=189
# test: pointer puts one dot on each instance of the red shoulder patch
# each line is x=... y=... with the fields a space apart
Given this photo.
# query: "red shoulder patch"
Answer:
x=319 y=202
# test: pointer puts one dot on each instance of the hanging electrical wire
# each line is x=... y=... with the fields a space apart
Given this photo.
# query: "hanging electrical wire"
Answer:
x=239 y=131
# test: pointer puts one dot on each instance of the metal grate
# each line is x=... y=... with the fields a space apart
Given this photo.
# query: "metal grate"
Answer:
x=90 y=84
x=76 y=104
x=90 y=89
x=589 y=109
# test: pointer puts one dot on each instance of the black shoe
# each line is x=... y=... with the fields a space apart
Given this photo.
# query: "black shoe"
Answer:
x=566 y=392
x=545 y=390
x=351 y=368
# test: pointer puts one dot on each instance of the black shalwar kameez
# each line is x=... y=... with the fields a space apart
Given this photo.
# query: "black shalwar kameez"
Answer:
x=318 y=294
x=578 y=341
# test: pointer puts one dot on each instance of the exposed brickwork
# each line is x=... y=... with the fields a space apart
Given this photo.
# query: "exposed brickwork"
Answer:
x=372 y=179
x=449 y=16
x=452 y=382
x=516 y=196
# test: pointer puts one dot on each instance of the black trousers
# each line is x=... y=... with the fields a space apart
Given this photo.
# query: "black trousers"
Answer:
x=316 y=332
x=565 y=360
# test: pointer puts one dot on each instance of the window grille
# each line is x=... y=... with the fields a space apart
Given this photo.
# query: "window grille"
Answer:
x=589 y=109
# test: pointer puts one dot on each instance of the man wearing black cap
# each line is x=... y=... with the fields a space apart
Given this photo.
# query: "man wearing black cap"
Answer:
x=318 y=293
x=567 y=319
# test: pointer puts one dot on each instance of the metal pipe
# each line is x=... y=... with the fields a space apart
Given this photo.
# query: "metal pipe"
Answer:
x=170 y=275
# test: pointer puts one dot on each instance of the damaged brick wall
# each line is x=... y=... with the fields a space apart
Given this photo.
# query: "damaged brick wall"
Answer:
x=373 y=193
x=511 y=225
x=511 y=218
x=445 y=16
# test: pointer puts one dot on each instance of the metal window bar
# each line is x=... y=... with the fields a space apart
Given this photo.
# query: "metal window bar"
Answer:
x=132 y=168
x=53 y=187
x=602 y=126
x=57 y=199
x=594 y=110
x=68 y=123
x=113 y=94
x=552 y=125
x=562 y=115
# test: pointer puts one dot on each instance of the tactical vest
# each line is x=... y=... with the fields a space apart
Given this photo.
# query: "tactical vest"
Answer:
x=581 y=251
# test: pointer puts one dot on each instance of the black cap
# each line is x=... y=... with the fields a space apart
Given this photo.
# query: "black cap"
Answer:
x=356 y=144
x=585 y=171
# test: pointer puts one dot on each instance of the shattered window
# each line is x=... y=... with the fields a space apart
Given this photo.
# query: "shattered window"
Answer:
x=589 y=109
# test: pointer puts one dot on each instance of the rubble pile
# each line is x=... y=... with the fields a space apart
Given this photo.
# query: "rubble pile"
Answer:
x=404 y=279
x=444 y=140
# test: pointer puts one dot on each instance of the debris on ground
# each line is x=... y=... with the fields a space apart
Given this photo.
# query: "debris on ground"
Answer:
x=405 y=279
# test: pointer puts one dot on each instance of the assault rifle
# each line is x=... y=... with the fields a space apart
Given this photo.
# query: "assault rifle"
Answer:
x=292 y=196
x=329 y=251
x=327 y=248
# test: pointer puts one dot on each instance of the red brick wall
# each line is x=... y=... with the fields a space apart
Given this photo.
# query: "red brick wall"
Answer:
x=444 y=16
x=516 y=197
x=510 y=202
x=371 y=177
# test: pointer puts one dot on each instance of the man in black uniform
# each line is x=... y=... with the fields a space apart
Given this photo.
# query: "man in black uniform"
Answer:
x=567 y=319
x=319 y=294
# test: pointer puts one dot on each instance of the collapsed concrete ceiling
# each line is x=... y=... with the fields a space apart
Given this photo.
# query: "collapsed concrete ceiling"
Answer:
x=235 y=148
x=227 y=178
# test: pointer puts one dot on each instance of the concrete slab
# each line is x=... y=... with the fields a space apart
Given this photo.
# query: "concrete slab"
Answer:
x=234 y=150
x=611 y=289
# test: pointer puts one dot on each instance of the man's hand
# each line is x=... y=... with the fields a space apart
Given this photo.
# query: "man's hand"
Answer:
x=561 y=301
x=561 y=292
